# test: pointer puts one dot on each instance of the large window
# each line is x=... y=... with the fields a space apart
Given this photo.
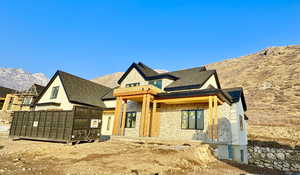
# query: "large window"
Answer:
x=192 y=119
x=54 y=92
x=130 y=119
x=132 y=84
x=156 y=83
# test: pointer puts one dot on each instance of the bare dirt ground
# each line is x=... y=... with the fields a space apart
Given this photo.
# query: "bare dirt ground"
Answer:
x=114 y=157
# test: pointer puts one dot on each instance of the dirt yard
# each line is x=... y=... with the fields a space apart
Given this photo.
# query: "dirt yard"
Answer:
x=113 y=157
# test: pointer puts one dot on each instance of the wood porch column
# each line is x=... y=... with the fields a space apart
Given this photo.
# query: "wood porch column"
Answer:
x=117 y=116
x=154 y=121
x=147 y=116
x=215 y=118
x=141 y=129
x=210 y=121
x=123 y=118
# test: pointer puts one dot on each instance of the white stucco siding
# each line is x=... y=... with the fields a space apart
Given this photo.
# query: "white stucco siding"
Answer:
x=110 y=103
x=211 y=81
x=61 y=98
x=133 y=77
x=239 y=137
x=107 y=124
x=166 y=82
x=244 y=132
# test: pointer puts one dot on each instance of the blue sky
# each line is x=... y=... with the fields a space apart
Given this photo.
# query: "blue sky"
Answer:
x=93 y=38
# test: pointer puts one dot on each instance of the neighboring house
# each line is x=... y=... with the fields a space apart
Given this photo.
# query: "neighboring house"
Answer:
x=64 y=91
x=22 y=100
x=3 y=92
x=187 y=104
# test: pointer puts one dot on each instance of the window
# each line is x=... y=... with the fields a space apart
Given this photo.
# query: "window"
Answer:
x=156 y=83
x=54 y=92
x=27 y=100
x=241 y=123
x=192 y=119
x=230 y=153
x=130 y=119
x=108 y=123
x=132 y=84
x=10 y=103
x=242 y=155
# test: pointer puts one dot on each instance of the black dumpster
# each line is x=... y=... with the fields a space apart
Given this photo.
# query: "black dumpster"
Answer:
x=79 y=124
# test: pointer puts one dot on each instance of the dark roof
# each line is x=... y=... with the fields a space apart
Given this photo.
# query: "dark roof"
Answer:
x=191 y=78
x=109 y=95
x=183 y=79
x=193 y=93
x=4 y=91
x=144 y=70
x=79 y=90
x=38 y=88
x=235 y=95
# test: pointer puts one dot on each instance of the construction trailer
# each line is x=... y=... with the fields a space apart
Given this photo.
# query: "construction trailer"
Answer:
x=69 y=126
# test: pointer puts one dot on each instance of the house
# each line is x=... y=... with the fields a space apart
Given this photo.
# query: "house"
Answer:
x=3 y=92
x=64 y=91
x=186 y=104
x=21 y=100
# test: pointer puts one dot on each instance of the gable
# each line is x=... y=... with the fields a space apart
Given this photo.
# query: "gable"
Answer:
x=61 y=96
x=211 y=81
x=133 y=76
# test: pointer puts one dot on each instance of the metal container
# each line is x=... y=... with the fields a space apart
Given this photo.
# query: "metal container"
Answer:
x=79 y=124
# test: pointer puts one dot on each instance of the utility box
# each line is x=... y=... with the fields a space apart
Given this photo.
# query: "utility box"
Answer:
x=79 y=124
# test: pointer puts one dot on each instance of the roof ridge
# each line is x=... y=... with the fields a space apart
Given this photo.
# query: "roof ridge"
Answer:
x=59 y=71
x=190 y=69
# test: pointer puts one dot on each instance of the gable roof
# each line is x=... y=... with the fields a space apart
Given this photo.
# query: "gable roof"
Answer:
x=79 y=90
x=144 y=70
x=183 y=79
x=38 y=88
x=191 y=78
x=4 y=91
x=235 y=95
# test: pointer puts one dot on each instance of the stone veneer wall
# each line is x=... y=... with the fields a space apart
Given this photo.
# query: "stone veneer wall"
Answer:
x=285 y=159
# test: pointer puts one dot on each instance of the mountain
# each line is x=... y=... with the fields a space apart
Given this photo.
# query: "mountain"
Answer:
x=19 y=79
x=270 y=79
x=271 y=82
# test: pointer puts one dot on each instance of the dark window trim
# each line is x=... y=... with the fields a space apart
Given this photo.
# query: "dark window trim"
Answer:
x=132 y=84
x=133 y=112
x=161 y=83
x=51 y=95
x=188 y=110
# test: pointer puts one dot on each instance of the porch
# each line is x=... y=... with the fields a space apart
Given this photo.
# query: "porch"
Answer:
x=149 y=98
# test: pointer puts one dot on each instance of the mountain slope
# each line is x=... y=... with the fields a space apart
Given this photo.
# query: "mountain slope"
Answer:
x=271 y=82
x=19 y=79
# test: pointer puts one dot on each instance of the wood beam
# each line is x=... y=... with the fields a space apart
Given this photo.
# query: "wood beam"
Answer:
x=188 y=99
x=141 y=129
x=123 y=118
x=117 y=116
